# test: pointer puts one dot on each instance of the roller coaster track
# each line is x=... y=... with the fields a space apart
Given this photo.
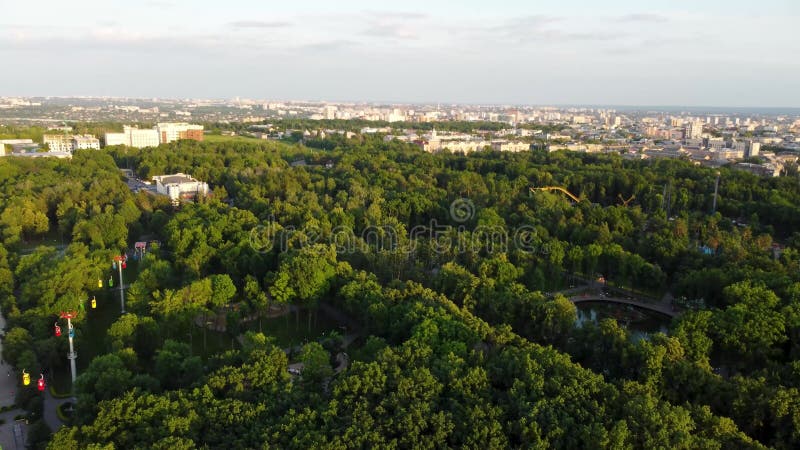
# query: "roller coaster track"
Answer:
x=559 y=189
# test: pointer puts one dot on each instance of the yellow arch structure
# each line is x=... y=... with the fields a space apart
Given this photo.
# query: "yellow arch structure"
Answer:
x=626 y=202
x=559 y=189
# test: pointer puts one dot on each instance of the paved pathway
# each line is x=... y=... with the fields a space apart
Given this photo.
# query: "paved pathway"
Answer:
x=50 y=415
x=7 y=434
x=8 y=379
x=8 y=388
x=8 y=384
x=59 y=247
x=570 y=291
x=343 y=360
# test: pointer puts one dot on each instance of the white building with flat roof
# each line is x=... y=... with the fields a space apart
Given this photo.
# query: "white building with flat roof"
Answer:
x=180 y=186
x=502 y=145
x=59 y=155
x=170 y=132
x=133 y=137
x=58 y=142
x=85 y=142
x=13 y=142
x=65 y=143
x=116 y=139
x=143 y=138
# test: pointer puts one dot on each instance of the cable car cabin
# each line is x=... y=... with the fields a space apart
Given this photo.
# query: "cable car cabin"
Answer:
x=26 y=378
x=41 y=384
x=57 y=330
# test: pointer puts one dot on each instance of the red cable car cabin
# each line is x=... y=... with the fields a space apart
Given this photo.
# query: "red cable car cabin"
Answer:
x=40 y=384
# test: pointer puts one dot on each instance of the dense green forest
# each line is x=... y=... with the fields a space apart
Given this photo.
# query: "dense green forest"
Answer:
x=451 y=276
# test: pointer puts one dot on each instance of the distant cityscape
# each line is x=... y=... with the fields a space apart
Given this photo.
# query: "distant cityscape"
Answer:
x=760 y=141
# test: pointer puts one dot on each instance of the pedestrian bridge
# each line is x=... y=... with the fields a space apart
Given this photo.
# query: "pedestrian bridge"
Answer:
x=662 y=308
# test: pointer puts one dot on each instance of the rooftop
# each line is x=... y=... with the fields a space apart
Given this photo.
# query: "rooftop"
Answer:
x=177 y=178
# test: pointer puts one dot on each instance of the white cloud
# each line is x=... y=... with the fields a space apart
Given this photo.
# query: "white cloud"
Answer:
x=437 y=54
x=259 y=24
x=643 y=18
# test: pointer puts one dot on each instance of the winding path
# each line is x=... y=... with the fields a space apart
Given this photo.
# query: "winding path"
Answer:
x=51 y=404
x=13 y=434
x=10 y=438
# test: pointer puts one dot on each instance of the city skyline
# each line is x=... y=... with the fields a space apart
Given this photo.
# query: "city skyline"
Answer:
x=574 y=53
x=673 y=108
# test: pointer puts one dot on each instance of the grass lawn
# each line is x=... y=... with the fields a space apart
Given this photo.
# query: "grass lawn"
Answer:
x=216 y=138
x=213 y=343
x=288 y=331
x=51 y=239
x=90 y=340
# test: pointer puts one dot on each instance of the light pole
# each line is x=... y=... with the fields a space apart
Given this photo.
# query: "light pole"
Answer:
x=72 y=355
x=205 y=342
x=716 y=192
x=120 y=261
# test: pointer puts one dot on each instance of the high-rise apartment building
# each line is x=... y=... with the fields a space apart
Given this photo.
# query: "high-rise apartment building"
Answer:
x=753 y=149
x=330 y=112
x=395 y=115
x=694 y=130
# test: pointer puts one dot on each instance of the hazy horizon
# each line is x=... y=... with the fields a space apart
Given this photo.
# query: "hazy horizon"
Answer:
x=731 y=54
x=710 y=109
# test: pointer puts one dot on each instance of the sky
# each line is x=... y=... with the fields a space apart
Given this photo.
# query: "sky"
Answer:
x=611 y=52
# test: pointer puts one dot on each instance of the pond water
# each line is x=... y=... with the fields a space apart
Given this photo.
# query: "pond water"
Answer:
x=639 y=322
